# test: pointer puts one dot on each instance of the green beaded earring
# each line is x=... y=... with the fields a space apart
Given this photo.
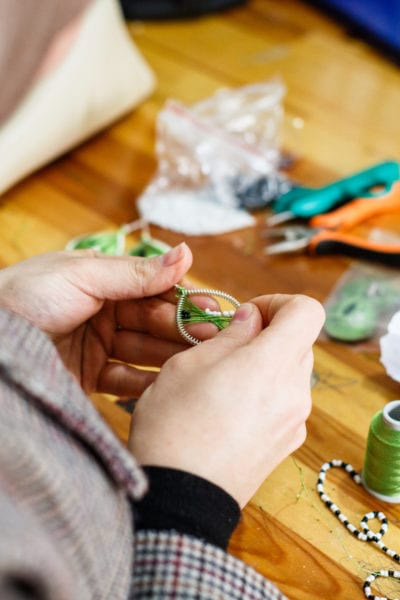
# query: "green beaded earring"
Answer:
x=187 y=312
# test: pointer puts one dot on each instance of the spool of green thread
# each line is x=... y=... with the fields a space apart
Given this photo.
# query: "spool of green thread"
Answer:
x=381 y=472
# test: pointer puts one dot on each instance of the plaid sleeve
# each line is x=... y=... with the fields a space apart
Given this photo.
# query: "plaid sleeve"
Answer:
x=172 y=565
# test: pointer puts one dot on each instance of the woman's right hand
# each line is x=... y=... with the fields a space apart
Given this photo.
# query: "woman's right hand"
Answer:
x=232 y=408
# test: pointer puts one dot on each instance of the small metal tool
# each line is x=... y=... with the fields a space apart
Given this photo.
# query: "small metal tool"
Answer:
x=293 y=238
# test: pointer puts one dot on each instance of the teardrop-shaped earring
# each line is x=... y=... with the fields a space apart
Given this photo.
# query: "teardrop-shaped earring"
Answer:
x=187 y=312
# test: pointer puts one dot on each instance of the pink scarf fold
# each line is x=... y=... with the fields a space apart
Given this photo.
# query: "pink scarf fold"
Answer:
x=27 y=30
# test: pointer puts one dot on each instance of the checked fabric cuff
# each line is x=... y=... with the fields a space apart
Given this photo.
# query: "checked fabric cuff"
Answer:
x=171 y=565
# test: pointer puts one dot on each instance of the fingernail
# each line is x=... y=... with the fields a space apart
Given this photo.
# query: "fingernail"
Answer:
x=174 y=255
x=243 y=312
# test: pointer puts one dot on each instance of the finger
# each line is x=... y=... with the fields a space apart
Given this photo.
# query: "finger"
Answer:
x=202 y=300
x=307 y=363
x=123 y=277
x=202 y=331
x=245 y=326
x=124 y=380
x=206 y=329
x=158 y=318
x=291 y=324
x=143 y=349
x=149 y=315
x=293 y=321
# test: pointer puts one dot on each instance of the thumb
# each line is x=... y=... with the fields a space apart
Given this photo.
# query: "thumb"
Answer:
x=245 y=326
x=127 y=277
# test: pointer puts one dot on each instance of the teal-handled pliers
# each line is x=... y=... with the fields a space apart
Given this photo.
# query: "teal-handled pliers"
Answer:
x=328 y=233
x=306 y=203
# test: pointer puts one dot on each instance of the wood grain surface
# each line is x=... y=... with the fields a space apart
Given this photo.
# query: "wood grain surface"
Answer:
x=346 y=97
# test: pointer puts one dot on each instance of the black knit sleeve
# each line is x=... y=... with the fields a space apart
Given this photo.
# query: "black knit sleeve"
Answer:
x=187 y=504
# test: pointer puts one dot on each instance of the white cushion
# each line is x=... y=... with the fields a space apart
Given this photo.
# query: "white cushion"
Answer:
x=102 y=77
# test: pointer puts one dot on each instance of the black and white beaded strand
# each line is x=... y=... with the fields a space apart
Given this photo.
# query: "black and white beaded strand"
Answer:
x=366 y=535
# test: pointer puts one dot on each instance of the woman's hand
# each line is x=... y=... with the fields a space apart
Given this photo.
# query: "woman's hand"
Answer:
x=232 y=408
x=97 y=307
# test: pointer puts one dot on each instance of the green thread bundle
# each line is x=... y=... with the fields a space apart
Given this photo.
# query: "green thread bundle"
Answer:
x=108 y=242
x=381 y=472
x=113 y=242
x=190 y=313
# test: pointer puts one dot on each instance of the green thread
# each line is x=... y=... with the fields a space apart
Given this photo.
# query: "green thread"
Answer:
x=190 y=313
x=108 y=242
x=113 y=242
x=381 y=472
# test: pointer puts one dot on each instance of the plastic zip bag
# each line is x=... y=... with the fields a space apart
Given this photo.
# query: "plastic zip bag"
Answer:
x=209 y=155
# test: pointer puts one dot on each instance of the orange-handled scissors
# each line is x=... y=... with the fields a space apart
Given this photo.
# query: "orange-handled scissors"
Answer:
x=360 y=210
x=325 y=235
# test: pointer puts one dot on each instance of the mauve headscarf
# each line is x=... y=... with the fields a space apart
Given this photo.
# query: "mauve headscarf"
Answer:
x=27 y=28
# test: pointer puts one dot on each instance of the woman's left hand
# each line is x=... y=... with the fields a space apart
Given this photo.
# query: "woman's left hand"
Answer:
x=102 y=312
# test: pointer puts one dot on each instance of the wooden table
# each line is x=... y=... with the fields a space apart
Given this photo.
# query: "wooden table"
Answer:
x=347 y=98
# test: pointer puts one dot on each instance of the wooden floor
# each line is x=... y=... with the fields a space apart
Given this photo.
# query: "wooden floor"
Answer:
x=346 y=97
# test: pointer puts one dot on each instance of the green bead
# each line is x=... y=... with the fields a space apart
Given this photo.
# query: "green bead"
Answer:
x=352 y=319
